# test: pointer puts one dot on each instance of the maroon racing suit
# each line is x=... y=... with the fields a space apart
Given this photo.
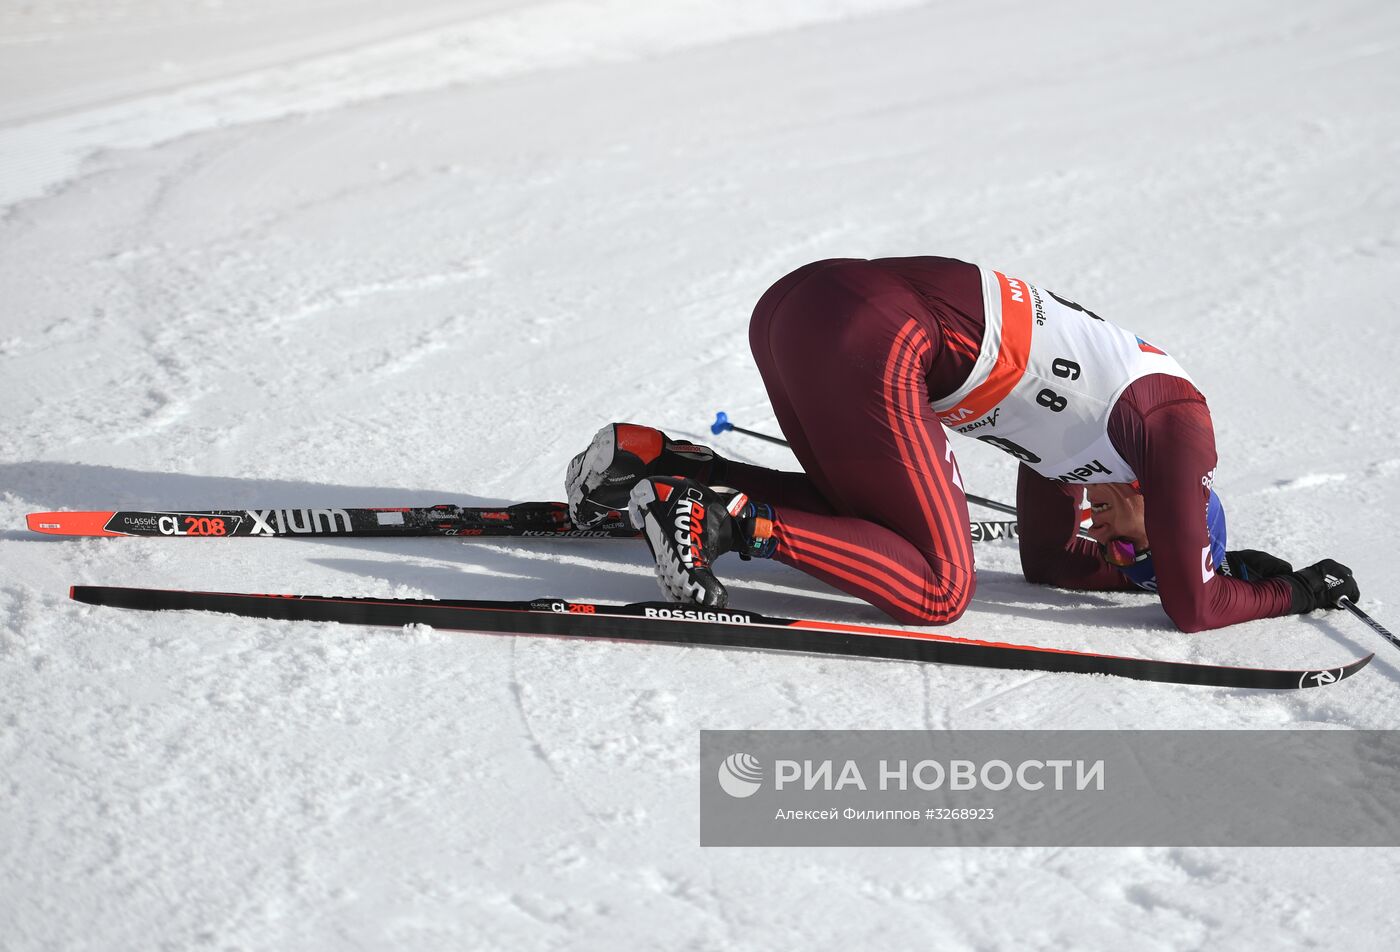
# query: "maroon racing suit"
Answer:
x=852 y=354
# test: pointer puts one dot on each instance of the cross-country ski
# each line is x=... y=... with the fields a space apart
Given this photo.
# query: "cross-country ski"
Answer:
x=672 y=624
x=521 y=520
x=548 y=519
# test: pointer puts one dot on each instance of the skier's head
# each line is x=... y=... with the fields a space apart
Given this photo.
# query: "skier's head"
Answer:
x=1115 y=517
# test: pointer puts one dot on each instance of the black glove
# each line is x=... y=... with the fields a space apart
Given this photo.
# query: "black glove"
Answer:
x=1322 y=586
x=1251 y=565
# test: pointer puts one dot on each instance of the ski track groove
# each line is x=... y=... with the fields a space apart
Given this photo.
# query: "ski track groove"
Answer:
x=566 y=784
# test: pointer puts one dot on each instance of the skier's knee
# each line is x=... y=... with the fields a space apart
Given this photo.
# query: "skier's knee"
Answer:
x=941 y=603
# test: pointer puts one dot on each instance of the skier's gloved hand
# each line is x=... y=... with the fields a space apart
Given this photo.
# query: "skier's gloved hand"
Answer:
x=600 y=478
x=1322 y=585
x=1251 y=565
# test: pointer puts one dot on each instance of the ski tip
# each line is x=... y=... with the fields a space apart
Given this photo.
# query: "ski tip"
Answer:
x=87 y=594
x=70 y=523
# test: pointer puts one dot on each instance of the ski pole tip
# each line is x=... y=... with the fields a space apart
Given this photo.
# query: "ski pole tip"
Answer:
x=721 y=423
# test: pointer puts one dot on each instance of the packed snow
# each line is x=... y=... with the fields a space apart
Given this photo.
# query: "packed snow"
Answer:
x=373 y=253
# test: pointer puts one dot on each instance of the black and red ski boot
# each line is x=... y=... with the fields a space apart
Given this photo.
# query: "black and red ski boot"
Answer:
x=688 y=525
x=599 y=479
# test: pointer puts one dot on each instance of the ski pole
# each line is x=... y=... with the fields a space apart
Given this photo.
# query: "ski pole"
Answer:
x=1376 y=626
x=722 y=424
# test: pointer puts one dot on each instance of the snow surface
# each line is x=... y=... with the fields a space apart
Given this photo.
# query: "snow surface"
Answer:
x=363 y=252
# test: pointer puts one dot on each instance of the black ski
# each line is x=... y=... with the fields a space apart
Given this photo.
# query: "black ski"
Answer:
x=546 y=519
x=675 y=624
x=523 y=519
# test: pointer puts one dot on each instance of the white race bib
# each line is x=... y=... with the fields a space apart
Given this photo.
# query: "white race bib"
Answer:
x=1045 y=380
